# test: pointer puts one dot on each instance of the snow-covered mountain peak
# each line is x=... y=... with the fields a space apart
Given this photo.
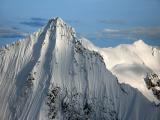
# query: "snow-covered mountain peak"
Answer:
x=131 y=63
x=63 y=28
x=140 y=43
x=54 y=75
x=56 y=21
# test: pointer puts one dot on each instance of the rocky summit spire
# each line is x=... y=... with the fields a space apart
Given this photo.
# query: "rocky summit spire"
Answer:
x=61 y=27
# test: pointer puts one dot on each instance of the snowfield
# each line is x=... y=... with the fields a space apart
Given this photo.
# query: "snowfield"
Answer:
x=131 y=64
x=54 y=75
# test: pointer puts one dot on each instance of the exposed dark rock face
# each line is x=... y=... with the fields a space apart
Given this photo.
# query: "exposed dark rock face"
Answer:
x=153 y=82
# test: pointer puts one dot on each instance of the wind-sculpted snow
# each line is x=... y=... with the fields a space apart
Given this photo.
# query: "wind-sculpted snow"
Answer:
x=132 y=63
x=52 y=75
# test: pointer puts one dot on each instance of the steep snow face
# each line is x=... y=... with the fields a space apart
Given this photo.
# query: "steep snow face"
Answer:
x=132 y=63
x=53 y=75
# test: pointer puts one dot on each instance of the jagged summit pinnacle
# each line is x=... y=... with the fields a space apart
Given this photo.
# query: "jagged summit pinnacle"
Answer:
x=54 y=27
x=58 y=23
x=56 y=20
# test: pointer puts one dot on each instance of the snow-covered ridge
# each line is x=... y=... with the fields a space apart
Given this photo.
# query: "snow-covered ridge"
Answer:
x=54 y=75
x=132 y=63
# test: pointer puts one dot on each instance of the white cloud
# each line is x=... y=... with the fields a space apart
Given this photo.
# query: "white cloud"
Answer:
x=8 y=32
x=111 y=30
x=112 y=22
x=131 y=33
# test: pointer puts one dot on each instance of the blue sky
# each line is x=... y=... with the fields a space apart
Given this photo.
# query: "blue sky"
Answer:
x=104 y=22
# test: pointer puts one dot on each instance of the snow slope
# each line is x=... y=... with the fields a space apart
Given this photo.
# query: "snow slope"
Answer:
x=131 y=63
x=54 y=75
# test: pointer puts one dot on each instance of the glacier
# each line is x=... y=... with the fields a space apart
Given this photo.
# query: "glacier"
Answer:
x=53 y=74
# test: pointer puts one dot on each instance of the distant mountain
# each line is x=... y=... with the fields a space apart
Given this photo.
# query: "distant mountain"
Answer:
x=132 y=63
x=53 y=75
